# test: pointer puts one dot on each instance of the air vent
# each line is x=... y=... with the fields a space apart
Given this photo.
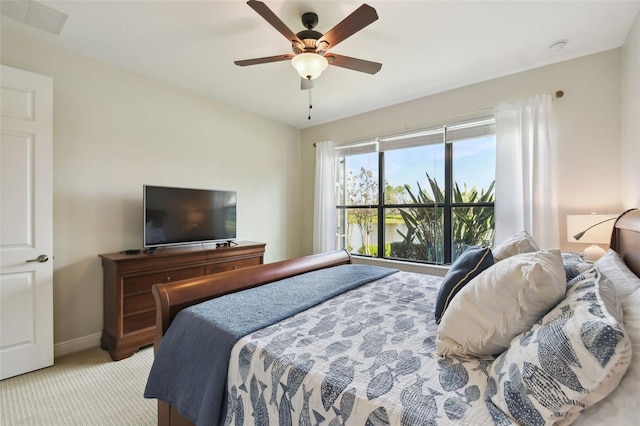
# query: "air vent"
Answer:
x=34 y=14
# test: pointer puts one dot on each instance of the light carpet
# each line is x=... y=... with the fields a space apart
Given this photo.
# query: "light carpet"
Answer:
x=85 y=388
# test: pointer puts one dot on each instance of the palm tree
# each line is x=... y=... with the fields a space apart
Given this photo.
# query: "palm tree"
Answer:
x=472 y=225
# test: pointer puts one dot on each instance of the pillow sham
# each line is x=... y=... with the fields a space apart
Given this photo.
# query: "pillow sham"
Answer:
x=522 y=242
x=621 y=406
x=500 y=303
x=466 y=267
x=614 y=268
x=569 y=360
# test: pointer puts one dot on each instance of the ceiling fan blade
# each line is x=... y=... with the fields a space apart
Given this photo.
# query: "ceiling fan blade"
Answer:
x=360 y=18
x=275 y=22
x=306 y=84
x=354 y=64
x=264 y=60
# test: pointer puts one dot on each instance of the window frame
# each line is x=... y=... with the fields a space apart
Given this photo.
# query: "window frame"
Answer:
x=485 y=123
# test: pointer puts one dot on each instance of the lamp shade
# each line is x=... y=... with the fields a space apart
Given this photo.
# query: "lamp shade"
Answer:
x=590 y=228
x=309 y=65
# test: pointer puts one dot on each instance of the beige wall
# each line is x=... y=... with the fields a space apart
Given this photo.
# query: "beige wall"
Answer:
x=630 y=166
x=587 y=117
x=115 y=131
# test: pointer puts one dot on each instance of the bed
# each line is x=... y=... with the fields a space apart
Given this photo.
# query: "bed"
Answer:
x=368 y=345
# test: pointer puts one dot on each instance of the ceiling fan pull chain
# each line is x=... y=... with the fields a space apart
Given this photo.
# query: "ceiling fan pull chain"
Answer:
x=310 y=105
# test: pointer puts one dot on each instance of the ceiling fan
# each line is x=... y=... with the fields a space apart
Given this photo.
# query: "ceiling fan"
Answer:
x=310 y=48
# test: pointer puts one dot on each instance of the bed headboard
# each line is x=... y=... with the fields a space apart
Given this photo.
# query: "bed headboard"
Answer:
x=625 y=238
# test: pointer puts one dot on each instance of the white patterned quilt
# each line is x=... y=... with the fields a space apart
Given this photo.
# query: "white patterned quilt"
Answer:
x=366 y=357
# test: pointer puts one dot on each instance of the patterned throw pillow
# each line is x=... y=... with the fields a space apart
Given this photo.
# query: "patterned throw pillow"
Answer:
x=466 y=267
x=568 y=361
x=574 y=265
x=500 y=303
x=621 y=406
x=519 y=243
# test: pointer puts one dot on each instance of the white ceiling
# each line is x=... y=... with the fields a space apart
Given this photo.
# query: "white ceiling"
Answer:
x=426 y=47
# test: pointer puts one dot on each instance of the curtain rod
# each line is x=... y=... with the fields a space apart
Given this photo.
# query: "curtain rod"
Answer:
x=557 y=95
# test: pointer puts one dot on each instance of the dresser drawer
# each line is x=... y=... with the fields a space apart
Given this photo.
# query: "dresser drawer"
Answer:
x=142 y=283
x=229 y=266
x=150 y=263
x=138 y=321
x=139 y=302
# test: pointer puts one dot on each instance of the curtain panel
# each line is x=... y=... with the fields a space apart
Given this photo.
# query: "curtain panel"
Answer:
x=324 y=204
x=526 y=171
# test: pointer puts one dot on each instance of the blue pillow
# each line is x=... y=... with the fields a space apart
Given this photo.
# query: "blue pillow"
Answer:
x=467 y=266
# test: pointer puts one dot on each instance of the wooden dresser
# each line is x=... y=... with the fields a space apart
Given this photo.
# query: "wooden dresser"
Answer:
x=129 y=307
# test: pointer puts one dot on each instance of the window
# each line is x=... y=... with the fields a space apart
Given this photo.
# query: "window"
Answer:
x=421 y=196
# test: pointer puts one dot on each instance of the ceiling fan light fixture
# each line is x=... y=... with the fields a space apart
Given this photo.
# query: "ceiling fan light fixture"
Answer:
x=309 y=65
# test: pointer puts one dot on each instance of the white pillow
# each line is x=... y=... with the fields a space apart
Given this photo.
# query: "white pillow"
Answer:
x=522 y=242
x=571 y=359
x=500 y=303
x=614 y=268
x=621 y=406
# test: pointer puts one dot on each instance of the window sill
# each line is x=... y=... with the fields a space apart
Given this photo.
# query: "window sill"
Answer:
x=437 y=270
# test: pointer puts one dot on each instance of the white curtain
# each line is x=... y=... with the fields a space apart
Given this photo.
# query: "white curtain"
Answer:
x=324 y=204
x=526 y=171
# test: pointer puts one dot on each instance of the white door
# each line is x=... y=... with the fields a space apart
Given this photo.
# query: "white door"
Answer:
x=26 y=222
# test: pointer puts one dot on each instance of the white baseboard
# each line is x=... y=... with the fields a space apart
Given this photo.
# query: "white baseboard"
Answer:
x=76 y=345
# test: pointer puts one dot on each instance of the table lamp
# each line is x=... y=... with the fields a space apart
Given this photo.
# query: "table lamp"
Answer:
x=590 y=229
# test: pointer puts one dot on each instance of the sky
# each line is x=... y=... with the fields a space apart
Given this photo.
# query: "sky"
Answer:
x=474 y=163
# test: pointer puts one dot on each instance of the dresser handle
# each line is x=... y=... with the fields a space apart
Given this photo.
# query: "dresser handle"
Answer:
x=235 y=266
x=167 y=279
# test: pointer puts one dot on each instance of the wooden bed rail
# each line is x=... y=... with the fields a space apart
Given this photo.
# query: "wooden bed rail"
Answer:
x=171 y=298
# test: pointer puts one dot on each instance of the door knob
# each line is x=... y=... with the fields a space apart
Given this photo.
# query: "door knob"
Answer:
x=42 y=258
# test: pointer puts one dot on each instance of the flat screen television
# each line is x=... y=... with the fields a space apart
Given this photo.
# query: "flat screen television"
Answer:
x=178 y=216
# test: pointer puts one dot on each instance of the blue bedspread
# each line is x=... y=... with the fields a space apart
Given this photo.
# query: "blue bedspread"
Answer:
x=190 y=367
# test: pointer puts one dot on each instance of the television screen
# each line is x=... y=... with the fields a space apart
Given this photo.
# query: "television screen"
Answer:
x=174 y=216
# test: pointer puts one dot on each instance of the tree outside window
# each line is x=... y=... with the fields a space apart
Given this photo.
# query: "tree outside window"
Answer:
x=362 y=190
